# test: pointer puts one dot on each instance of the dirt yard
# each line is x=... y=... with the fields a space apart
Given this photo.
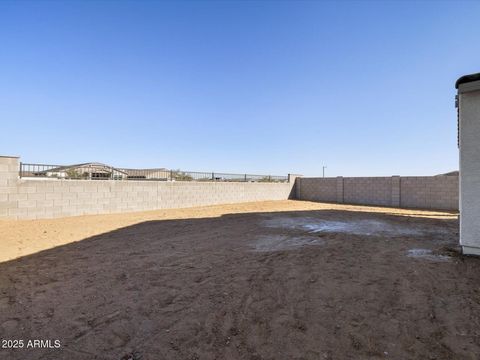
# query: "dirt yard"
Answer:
x=271 y=280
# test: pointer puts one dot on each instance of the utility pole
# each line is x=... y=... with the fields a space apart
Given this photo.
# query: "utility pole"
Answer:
x=323 y=170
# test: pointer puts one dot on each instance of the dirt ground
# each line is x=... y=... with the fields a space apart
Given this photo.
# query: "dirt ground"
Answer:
x=269 y=280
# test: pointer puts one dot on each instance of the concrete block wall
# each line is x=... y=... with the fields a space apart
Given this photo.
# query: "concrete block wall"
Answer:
x=423 y=192
x=429 y=192
x=396 y=196
x=317 y=189
x=340 y=190
x=9 y=168
x=50 y=198
x=368 y=190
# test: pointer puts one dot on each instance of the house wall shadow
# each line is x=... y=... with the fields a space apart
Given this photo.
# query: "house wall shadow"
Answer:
x=112 y=292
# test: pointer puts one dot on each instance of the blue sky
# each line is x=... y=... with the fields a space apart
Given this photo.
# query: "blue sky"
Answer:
x=365 y=88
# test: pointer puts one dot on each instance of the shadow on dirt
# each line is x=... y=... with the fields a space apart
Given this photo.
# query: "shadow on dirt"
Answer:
x=201 y=289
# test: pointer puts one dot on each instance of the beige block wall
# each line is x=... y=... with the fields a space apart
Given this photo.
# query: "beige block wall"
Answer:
x=368 y=190
x=9 y=168
x=50 y=198
x=429 y=192
x=423 y=192
x=317 y=189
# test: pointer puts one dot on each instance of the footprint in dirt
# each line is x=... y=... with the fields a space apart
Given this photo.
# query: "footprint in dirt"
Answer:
x=132 y=356
x=5 y=302
x=9 y=325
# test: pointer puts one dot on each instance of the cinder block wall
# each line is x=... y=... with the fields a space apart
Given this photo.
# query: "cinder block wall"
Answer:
x=9 y=167
x=50 y=198
x=317 y=189
x=430 y=192
x=368 y=190
x=423 y=192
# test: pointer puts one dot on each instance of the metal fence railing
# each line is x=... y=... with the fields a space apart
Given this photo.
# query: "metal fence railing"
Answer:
x=98 y=171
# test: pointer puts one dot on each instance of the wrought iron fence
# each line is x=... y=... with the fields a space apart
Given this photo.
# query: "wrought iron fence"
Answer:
x=98 y=171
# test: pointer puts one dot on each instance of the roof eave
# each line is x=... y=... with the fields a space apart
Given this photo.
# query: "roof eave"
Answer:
x=467 y=79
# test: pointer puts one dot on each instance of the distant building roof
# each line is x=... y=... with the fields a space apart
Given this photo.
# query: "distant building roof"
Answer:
x=93 y=165
x=451 y=173
x=143 y=171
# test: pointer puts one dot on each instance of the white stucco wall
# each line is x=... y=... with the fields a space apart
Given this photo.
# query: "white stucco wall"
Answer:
x=469 y=116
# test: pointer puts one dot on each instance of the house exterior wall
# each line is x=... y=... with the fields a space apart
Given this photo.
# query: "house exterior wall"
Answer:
x=424 y=192
x=469 y=143
x=50 y=198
